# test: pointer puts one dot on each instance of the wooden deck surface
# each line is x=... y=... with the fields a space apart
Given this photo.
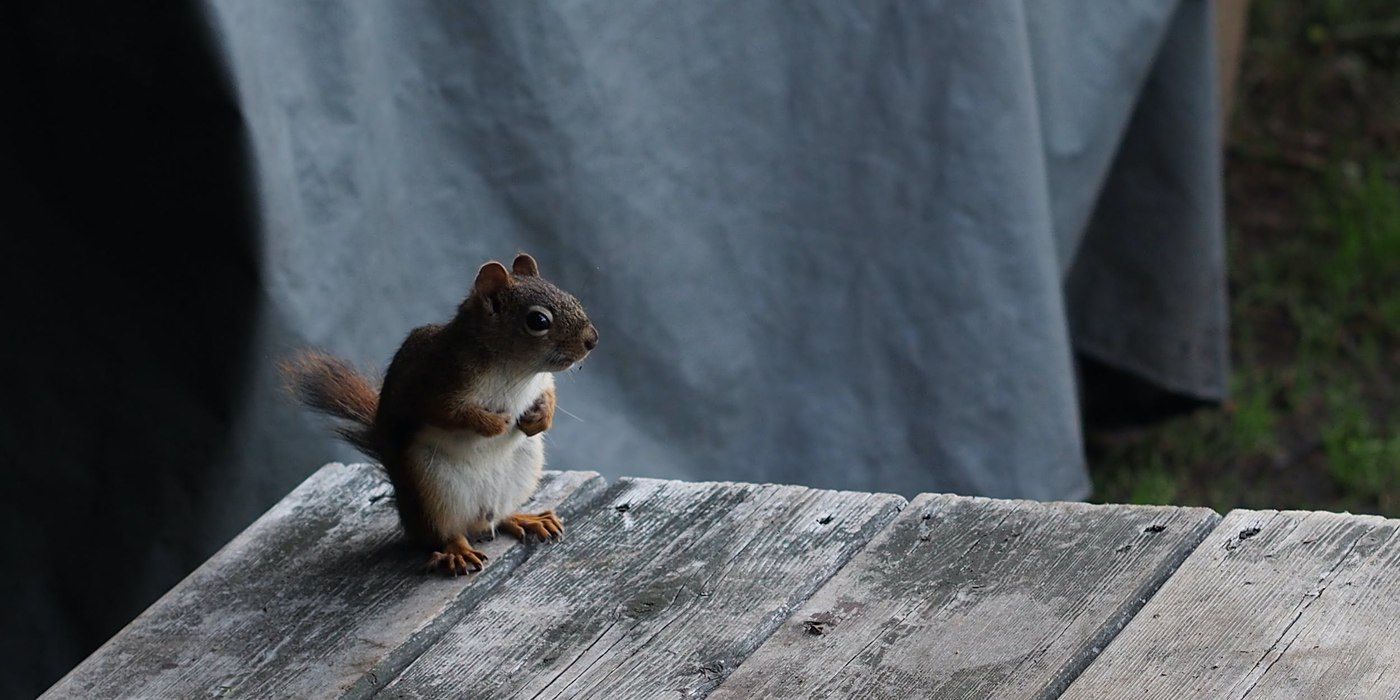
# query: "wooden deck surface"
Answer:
x=675 y=589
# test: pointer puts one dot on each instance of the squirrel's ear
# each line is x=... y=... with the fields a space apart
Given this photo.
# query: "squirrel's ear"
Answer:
x=491 y=278
x=525 y=266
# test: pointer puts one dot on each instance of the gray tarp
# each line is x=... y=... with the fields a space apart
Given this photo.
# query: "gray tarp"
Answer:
x=824 y=243
x=847 y=244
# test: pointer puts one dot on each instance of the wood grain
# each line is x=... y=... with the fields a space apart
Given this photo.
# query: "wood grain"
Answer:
x=1272 y=605
x=658 y=592
x=319 y=597
x=972 y=597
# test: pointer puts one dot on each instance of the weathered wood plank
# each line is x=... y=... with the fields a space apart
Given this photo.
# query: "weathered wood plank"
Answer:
x=973 y=597
x=659 y=591
x=1271 y=605
x=320 y=596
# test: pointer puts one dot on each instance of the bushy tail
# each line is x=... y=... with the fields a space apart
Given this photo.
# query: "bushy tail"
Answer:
x=331 y=386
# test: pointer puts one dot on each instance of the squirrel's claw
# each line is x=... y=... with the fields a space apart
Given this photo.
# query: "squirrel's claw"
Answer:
x=545 y=526
x=455 y=564
x=458 y=557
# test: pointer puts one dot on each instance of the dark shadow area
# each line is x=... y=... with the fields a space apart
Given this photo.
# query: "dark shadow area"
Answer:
x=1116 y=399
x=128 y=288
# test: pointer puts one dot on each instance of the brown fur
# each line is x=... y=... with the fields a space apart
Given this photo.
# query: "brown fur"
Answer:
x=331 y=386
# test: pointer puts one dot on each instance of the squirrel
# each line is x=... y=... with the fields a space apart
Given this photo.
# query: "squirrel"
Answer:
x=457 y=422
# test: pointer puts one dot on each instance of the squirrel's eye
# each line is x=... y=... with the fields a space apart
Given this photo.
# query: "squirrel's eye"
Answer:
x=538 y=320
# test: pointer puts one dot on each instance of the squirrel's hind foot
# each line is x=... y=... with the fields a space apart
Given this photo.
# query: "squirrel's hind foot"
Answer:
x=545 y=526
x=457 y=557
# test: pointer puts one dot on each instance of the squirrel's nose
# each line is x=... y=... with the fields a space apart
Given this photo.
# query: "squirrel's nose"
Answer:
x=590 y=337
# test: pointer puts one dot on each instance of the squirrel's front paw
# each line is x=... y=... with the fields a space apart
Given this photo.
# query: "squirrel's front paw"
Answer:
x=539 y=416
x=536 y=420
x=492 y=424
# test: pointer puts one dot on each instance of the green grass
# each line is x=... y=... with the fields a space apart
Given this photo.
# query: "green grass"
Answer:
x=1313 y=209
x=1363 y=461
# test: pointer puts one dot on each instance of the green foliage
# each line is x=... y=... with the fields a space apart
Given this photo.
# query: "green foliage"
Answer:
x=1360 y=210
x=1253 y=425
x=1154 y=485
x=1365 y=462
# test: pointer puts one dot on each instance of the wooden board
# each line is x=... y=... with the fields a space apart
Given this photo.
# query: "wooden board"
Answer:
x=658 y=592
x=972 y=597
x=319 y=597
x=1272 y=605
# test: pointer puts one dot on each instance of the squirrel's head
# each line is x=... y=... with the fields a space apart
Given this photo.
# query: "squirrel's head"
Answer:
x=525 y=319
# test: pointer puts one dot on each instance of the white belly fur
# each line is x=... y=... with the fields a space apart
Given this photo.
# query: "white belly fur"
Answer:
x=485 y=478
